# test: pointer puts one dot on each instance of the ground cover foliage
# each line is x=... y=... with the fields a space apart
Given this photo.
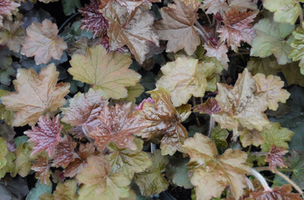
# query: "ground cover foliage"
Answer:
x=127 y=97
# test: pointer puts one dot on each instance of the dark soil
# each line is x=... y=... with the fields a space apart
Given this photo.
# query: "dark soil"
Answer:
x=180 y=193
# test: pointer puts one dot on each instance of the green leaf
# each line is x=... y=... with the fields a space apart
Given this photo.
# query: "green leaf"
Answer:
x=74 y=33
x=39 y=190
x=219 y=136
x=295 y=115
x=285 y=11
x=152 y=181
x=270 y=40
x=13 y=189
x=66 y=190
x=128 y=161
x=3 y=152
x=178 y=172
x=22 y=163
x=292 y=74
x=5 y=75
x=297 y=50
x=296 y=162
x=265 y=66
x=107 y=71
x=273 y=133
x=133 y=92
x=10 y=166
x=69 y=6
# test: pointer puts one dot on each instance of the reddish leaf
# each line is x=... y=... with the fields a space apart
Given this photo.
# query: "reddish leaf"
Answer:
x=131 y=5
x=46 y=136
x=274 y=157
x=93 y=19
x=117 y=126
x=42 y=169
x=165 y=121
x=210 y=106
x=76 y=166
x=6 y=8
x=218 y=51
x=277 y=193
x=83 y=110
x=64 y=152
x=237 y=28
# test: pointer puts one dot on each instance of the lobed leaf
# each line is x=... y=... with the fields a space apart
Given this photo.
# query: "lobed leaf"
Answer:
x=117 y=125
x=165 y=121
x=42 y=42
x=183 y=78
x=107 y=71
x=127 y=161
x=270 y=39
x=274 y=157
x=64 y=152
x=178 y=28
x=35 y=94
x=151 y=180
x=283 y=193
x=47 y=136
x=212 y=173
x=98 y=183
x=42 y=169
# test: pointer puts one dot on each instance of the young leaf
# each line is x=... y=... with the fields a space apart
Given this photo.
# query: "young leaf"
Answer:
x=93 y=19
x=270 y=40
x=7 y=7
x=133 y=30
x=165 y=121
x=218 y=51
x=127 y=161
x=42 y=42
x=23 y=159
x=76 y=166
x=83 y=110
x=12 y=35
x=3 y=152
x=64 y=152
x=65 y=191
x=42 y=169
x=35 y=95
x=240 y=105
x=285 y=11
x=117 y=125
x=237 y=28
x=219 y=137
x=46 y=136
x=273 y=133
x=107 y=71
x=276 y=193
x=210 y=106
x=212 y=173
x=183 y=78
x=178 y=28
x=272 y=87
x=99 y=183
x=249 y=137
x=151 y=180
x=274 y=157
x=297 y=51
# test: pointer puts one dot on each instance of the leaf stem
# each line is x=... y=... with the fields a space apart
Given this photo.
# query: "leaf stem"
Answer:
x=201 y=31
x=258 y=153
x=284 y=177
x=211 y=125
x=194 y=104
x=260 y=178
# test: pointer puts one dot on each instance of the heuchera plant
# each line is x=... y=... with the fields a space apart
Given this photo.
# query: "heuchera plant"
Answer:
x=137 y=95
